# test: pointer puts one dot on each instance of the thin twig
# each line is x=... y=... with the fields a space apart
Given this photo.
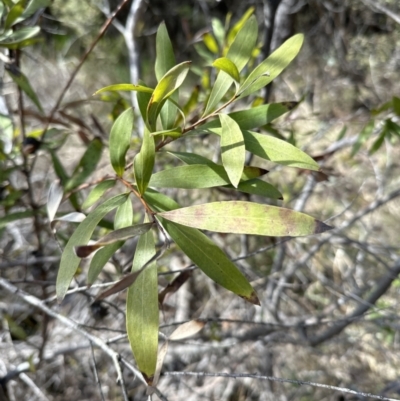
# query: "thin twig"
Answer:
x=96 y=374
x=279 y=380
x=30 y=299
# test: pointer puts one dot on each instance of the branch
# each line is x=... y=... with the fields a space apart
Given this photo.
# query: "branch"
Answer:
x=279 y=380
x=30 y=299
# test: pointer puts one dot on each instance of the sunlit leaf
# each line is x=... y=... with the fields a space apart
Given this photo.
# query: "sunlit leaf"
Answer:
x=19 y=36
x=278 y=151
x=74 y=217
x=54 y=198
x=239 y=53
x=210 y=43
x=167 y=85
x=69 y=261
x=13 y=14
x=240 y=217
x=125 y=87
x=233 y=152
x=210 y=259
x=143 y=99
x=144 y=162
x=196 y=176
x=226 y=65
x=173 y=132
x=142 y=309
x=239 y=25
x=218 y=30
x=271 y=67
x=120 y=139
x=97 y=192
x=186 y=330
x=32 y=7
x=87 y=165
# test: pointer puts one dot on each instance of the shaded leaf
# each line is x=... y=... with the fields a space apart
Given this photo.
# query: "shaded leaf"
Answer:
x=10 y=217
x=233 y=152
x=240 y=217
x=124 y=215
x=258 y=187
x=142 y=309
x=210 y=259
x=97 y=192
x=69 y=261
x=143 y=99
x=120 y=139
x=143 y=163
x=218 y=30
x=271 y=67
x=32 y=7
x=122 y=234
x=19 y=37
x=239 y=53
x=13 y=14
x=22 y=81
x=87 y=165
x=362 y=137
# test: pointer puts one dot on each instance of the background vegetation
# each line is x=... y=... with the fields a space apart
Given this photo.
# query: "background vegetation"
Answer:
x=329 y=303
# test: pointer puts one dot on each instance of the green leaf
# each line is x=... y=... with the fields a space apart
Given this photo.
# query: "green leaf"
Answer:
x=239 y=25
x=258 y=187
x=210 y=43
x=240 y=217
x=233 y=151
x=396 y=105
x=1 y=10
x=6 y=134
x=143 y=99
x=32 y=7
x=10 y=217
x=196 y=176
x=13 y=14
x=379 y=141
x=278 y=151
x=120 y=139
x=144 y=162
x=191 y=158
x=363 y=137
x=125 y=87
x=69 y=261
x=239 y=53
x=168 y=84
x=124 y=215
x=86 y=166
x=19 y=36
x=210 y=259
x=271 y=67
x=165 y=60
x=122 y=234
x=251 y=118
x=97 y=192
x=219 y=31
x=22 y=81
x=226 y=65
x=159 y=201
x=173 y=132
x=142 y=309
x=99 y=260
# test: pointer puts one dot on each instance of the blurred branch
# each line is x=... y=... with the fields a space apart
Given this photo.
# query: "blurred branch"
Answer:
x=383 y=285
x=279 y=380
x=375 y=5
x=30 y=299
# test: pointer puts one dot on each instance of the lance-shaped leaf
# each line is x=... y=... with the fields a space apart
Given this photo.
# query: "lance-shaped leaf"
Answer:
x=228 y=66
x=278 y=151
x=22 y=81
x=122 y=234
x=198 y=176
x=142 y=309
x=54 y=199
x=233 y=152
x=239 y=53
x=210 y=259
x=143 y=99
x=13 y=14
x=240 y=217
x=271 y=67
x=258 y=187
x=192 y=158
x=97 y=192
x=168 y=84
x=144 y=162
x=69 y=261
x=120 y=139
x=123 y=218
x=125 y=87
x=19 y=37
x=251 y=118
x=74 y=217
x=186 y=330
x=32 y=7
x=173 y=132
x=165 y=60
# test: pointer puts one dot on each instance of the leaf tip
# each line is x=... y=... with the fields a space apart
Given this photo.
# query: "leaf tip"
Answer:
x=321 y=227
x=253 y=298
